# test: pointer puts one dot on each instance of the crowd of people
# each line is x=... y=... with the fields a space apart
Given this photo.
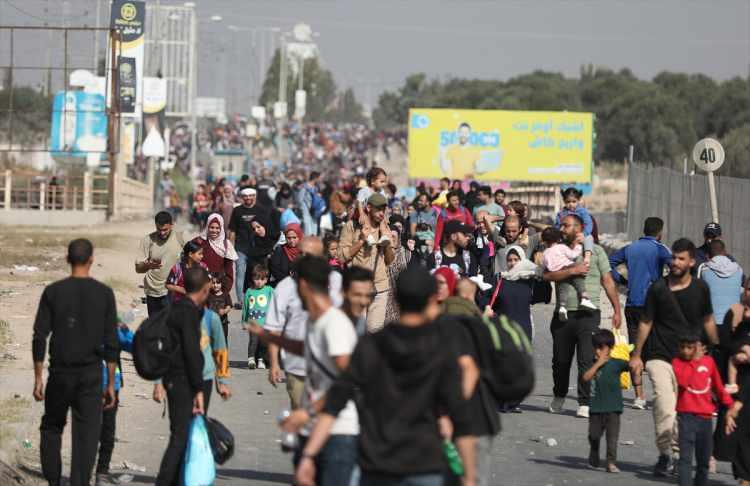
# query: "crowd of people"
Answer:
x=401 y=328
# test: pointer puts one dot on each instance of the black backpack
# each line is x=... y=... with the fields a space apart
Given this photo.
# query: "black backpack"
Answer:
x=153 y=347
x=505 y=357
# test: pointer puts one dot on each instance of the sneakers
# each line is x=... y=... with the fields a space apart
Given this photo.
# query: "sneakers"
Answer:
x=556 y=406
x=583 y=411
x=586 y=302
x=251 y=363
x=261 y=365
x=639 y=404
x=611 y=468
x=664 y=466
x=562 y=314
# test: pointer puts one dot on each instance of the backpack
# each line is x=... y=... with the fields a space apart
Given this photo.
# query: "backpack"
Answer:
x=153 y=346
x=504 y=357
x=317 y=204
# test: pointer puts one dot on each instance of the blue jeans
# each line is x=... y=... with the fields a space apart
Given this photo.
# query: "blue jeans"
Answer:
x=695 y=434
x=374 y=479
x=239 y=277
x=335 y=463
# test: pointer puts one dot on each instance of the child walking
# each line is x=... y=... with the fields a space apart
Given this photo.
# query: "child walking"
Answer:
x=256 y=304
x=220 y=302
x=606 y=399
x=559 y=256
x=697 y=376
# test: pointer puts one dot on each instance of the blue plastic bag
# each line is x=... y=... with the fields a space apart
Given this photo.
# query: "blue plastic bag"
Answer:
x=199 y=468
x=287 y=217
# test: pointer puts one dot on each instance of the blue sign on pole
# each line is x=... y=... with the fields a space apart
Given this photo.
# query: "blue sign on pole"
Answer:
x=79 y=124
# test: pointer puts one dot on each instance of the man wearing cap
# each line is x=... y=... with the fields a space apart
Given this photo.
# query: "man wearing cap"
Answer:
x=711 y=232
x=453 y=251
x=242 y=235
x=369 y=246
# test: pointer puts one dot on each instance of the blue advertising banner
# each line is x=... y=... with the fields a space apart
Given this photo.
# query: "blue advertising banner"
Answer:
x=79 y=124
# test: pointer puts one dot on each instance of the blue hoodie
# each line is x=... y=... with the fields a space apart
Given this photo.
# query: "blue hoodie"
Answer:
x=724 y=280
x=645 y=259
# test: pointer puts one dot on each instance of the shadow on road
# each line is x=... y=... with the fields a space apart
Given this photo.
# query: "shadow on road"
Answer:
x=641 y=471
x=270 y=477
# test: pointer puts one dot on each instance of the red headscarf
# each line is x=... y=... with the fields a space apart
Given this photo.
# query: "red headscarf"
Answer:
x=449 y=276
x=292 y=253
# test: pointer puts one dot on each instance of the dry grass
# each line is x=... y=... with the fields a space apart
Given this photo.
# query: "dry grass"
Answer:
x=14 y=412
x=119 y=285
x=43 y=248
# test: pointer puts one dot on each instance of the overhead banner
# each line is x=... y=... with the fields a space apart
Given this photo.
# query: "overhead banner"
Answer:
x=500 y=145
x=126 y=86
x=128 y=17
x=154 y=117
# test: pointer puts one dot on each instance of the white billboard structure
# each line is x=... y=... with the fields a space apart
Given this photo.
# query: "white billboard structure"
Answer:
x=170 y=49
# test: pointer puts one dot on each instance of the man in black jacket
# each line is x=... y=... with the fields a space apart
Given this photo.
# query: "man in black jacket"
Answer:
x=400 y=377
x=81 y=314
x=184 y=378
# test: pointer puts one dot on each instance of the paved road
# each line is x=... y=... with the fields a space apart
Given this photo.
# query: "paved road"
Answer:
x=518 y=459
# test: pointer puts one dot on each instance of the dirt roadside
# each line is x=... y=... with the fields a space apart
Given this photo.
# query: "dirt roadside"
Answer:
x=116 y=246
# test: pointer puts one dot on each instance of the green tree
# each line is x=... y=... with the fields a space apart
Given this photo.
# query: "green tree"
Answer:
x=347 y=109
x=319 y=84
x=730 y=109
x=737 y=147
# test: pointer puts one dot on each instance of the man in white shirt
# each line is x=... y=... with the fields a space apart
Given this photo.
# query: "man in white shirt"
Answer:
x=328 y=344
x=287 y=317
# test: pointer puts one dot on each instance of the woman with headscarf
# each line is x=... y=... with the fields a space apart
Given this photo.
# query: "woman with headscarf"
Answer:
x=218 y=250
x=514 y=289
x=400 y=262
x=283 y=257
x=446 y=283
x=261 y=246
x=512 y=297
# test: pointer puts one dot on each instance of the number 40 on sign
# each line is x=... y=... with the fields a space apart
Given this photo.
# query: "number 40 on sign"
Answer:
x=708 y=155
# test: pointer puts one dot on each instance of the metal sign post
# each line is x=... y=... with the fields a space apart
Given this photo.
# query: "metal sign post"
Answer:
x=708 y=154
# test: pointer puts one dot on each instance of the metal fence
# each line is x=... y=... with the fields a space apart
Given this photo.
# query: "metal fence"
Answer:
x=682 y=201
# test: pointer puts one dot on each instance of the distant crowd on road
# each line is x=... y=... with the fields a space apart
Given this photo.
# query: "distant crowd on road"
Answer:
x=402 y=327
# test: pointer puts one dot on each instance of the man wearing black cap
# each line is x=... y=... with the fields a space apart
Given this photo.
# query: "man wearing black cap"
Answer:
x=369 y=246
x=453 y=251
x=711 y=232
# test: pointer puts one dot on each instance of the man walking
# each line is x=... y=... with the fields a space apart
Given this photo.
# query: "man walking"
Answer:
x=287 y=317
x=674 y=306
x=402 y=373
x=574 y=335
x=724 y=278
x=645 y=260
x=357 y=289
x=327 y=347
x=454 y=250
x=81 y=316
x=184 y=378
x=241 y=233
x=369 y=246
x=160 y=250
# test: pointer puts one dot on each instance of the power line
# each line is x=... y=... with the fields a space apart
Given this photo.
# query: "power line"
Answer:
x=24 y=12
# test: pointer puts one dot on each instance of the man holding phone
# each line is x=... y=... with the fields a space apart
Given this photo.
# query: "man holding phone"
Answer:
x=161 y=250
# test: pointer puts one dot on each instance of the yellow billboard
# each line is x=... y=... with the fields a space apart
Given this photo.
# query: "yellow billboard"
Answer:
x=500 y=145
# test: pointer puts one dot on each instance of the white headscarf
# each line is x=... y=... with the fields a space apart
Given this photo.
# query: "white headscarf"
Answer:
x=222 y=246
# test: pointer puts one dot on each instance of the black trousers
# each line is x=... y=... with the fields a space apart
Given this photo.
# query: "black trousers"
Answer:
x=255 y=348
x=155 y=304
x=568 y=338
x=81 y=391
x=180 y=405
x=598 y=424
x=107 y=438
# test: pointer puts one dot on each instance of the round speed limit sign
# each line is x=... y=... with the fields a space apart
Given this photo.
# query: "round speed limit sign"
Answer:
x=708 y=154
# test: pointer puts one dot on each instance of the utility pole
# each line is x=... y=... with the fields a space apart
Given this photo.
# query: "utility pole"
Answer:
x=193 y=92
x=96 y=37
x=113 y=121
x=281 y=120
